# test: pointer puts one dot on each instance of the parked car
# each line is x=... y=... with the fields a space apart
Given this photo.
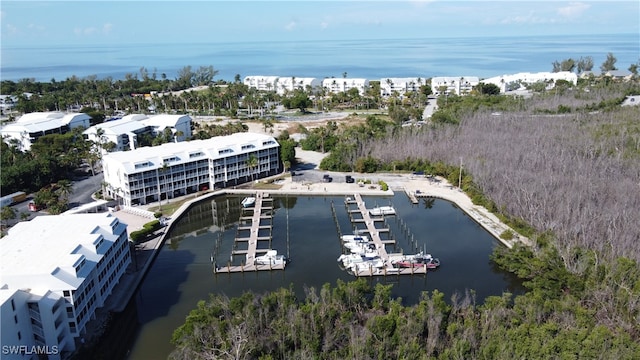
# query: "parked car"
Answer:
x=349 y=179
x=327 y=178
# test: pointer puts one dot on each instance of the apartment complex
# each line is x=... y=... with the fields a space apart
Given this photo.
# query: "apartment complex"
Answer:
x=458 y=85
x=124 y=132
x=56 y=271
x=150 y=174
x=521 y=80
x=400 y=85
x=29 y=127
x=338 y=85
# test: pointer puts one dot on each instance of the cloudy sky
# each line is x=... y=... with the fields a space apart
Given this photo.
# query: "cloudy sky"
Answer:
x=35 y=23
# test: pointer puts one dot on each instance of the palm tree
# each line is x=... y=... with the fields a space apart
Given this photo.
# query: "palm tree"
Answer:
x=162 y=169
x=252 y=163
x=65 y=188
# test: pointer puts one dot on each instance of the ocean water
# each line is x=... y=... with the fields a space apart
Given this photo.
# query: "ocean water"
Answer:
x=371 y=59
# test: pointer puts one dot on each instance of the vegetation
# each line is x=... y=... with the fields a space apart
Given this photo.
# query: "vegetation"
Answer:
x=147 y=229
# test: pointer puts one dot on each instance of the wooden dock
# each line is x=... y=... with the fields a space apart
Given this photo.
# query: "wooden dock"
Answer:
x=263 y=202
x=374 y=234
x=412 y=196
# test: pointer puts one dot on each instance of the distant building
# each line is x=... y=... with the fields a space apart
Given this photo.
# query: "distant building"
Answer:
x=56 y=271
x=147 y=174
x=262 y=83
x=458 y=85
x=338 y=85
x=7 y=103
x=29 y=127
x=400 y=85
x=521 y=80
x=124 y=132
x=281 y=84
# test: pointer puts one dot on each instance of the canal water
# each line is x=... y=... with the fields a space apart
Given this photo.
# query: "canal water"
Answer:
x=306 y=229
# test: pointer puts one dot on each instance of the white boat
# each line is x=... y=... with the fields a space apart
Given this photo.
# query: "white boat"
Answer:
x=355 y=238
x=366 y=265
x=382 y=211
x=248 y=201
x=270 y=258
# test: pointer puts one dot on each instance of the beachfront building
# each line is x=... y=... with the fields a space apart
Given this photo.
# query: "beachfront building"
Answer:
x=338 y=85
x=289 y=84
x=262 y=83
x=400 y=86
x=56 y=271
x=521 y=80
x=149 y=174
x=458 y=85
x=124 y=132
x=7 y=103
x=29 y=127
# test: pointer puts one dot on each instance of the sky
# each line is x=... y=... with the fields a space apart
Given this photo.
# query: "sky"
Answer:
x=49 y=23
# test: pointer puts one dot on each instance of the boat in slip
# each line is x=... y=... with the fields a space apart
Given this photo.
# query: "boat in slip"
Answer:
x=248 y=201
x=417 y=260
x=382 y=211
x=271 y=258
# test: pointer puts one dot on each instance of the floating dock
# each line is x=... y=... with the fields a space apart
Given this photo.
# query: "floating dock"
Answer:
x=263 y=203
x=380 y=244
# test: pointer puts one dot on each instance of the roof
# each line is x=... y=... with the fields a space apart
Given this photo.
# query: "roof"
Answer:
x=164 y=120
x=38 y=254
x=186 y=151
x=116 y=127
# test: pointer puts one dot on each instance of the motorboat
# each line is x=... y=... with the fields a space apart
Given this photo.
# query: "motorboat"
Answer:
x=248 y=201
x=382 y=211
x=355 y=238
x=271 y=258
x=366 y=265
x=417 y=260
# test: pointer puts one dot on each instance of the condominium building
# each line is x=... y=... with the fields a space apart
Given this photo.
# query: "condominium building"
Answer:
x=150 y=174
x=56 y=271
x=338 y=85
x=521 y=80
x=124 y=132
x=458 y=85
x=262 y=83
x=400 y=85
x=29 y=127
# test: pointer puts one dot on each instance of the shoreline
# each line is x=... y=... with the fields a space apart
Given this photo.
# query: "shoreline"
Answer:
x=145 y=253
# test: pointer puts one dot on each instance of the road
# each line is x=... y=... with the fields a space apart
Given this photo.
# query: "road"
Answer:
x=82 y=190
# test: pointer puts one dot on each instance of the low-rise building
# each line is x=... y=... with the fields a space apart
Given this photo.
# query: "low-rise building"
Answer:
x=55 y=272
x=29 y=127
x=458 y=85
x=149 y=174
x=400 y=86
x=520 y=80
x=338 y=85
x=262 y=83
x=124 y=132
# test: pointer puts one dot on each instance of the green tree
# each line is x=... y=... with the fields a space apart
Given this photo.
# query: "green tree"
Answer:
x=7 y=213
x=252 y=163
x=609 y=64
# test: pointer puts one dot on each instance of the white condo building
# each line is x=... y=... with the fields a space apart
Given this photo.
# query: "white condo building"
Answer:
x=55 y=272
x=281 y=84
x=124 y=132
x=338 y=85
x=29 y=127
x=262 y=83
x=140 y=176
x=458 y=85
x=400 y=85
x=288 y=84
x=520 y=80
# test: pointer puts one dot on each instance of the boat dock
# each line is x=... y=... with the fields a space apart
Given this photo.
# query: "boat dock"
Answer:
x=380 y=244
x=263 y=203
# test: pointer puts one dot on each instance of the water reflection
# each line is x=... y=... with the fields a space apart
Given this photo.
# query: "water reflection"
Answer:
x=306 y=229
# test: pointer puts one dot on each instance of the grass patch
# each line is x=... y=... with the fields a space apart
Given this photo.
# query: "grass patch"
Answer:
x=170 y=207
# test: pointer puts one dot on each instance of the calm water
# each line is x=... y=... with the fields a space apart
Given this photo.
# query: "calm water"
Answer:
x=182 y=273
x=371 y=59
